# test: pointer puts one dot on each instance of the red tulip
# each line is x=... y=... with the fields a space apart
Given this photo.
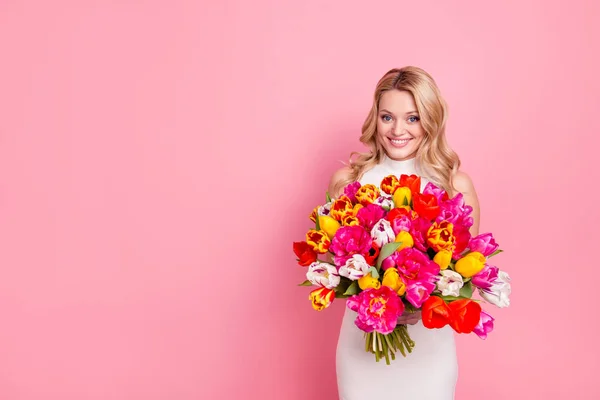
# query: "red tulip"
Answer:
x=305 y=253
x=465 y=315
x=426 y=205
x=371 y=256
x=413 y=182
x=435 y=313
x=397 y=213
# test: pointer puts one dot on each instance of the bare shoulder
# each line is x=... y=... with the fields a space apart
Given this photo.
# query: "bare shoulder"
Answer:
x=463 y=183
x=338 y=176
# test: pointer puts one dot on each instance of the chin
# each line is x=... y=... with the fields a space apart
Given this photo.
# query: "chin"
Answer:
x=401 y=154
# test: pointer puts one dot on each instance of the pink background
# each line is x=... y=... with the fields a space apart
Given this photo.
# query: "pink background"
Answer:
x=157 y=160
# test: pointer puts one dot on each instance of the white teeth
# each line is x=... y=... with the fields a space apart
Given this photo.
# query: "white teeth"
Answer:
x=399 y=141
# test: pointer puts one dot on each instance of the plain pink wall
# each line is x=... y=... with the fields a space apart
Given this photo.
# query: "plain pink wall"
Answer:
x=159 y=158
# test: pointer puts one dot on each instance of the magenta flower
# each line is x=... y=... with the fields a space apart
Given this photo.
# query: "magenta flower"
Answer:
x=456 y=211
x=461 y=240
x=377 y=309
x=401 y=223
x=370 y=215
x=351 y=189
x=418 y=272
x=486 y=277
x=485 y=325
x=350 y=240
x=415 y=266
x=418 y=231
x=484 y=243
x=418 y=292
x=440 y=194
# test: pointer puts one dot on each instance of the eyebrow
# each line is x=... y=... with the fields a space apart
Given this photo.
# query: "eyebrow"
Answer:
x=410 y=112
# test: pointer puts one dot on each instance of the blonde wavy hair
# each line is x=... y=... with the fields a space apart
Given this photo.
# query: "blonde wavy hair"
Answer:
x=434 y=160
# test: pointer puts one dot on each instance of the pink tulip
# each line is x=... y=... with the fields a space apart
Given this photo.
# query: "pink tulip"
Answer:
x=401 y=223
x=485 y=325
x=486 y=277
x=439 y=193
x=377 y=309
x=350 y=240
x=415 y=266
x=418 y=231
x=418 y=292
x=350 y=191
x=456 y=211
x=484 y=244
x=370 y=215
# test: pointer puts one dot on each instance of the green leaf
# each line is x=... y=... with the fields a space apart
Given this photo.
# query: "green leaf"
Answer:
x=467 y=290
x=452 y=298
x=410 y=308
x=317 y=225
x=374 y=272
x=342 y=287
x=352 y=289
x=494 y=253
x=405 y=201
x=387 y=251
x=305 y=283
x=328 y=198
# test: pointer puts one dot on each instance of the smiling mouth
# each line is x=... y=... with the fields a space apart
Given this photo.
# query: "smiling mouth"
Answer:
x=400 y=142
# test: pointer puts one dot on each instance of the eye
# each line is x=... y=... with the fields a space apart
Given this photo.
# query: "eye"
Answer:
x=386 y=117
x=413 y=118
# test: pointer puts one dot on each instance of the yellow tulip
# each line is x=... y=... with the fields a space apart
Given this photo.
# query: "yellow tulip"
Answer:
x=443 y=258
x=406 y=239
x=367 y=194
x=321 y=298
x=470 y=264
x=391 y=279
x=368 y=282
x=401 y=196
x=329 y=225
x=356 y=208
x=341 y=207
x=350 y=220
x=389 y=184
x=319 y=240
x=313 y=214
x=401 y=289
x=440 y=236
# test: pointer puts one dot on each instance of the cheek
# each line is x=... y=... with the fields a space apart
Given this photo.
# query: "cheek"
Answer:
x=382 y=129
x=419 y=133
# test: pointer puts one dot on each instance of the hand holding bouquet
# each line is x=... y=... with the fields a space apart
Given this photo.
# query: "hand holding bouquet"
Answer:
x=391 y=249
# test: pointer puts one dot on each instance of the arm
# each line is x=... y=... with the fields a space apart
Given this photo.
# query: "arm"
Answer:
x=463 y=184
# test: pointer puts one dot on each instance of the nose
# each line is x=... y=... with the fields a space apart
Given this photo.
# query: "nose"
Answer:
x=398 y=129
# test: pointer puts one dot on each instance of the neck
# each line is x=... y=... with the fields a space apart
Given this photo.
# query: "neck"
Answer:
x=391 y=162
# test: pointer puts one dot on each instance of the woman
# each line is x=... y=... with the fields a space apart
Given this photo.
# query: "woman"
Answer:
x=405 y=130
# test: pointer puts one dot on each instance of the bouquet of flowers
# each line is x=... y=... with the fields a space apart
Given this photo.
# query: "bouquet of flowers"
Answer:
x=392 y=249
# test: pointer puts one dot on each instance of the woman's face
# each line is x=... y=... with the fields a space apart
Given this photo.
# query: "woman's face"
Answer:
x=399 y=127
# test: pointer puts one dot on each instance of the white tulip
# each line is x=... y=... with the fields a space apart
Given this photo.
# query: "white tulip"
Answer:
x=355 y=268
x=499 y=293
x=382 y=233
x=323 y=274
x=385 y=200
x=325 y=209
x=450 y=283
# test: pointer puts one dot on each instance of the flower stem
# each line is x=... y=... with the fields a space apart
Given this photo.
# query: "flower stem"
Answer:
x=383 y=343
x=400 y=343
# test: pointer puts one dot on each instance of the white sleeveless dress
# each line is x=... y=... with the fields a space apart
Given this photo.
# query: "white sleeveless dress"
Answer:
x=430 y=372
